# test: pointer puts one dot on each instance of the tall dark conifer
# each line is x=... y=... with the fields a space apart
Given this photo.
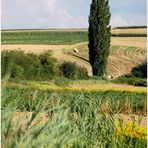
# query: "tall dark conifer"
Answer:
x=99 y=36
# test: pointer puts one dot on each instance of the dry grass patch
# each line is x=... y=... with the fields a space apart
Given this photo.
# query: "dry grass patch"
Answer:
x=130 y=31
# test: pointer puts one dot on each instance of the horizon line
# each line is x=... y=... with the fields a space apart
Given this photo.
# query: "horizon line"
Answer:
x=140 y=26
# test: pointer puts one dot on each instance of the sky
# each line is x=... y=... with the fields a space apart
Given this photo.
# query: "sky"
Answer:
x=29 y=14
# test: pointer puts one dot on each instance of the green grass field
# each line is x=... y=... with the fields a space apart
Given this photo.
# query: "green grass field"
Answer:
x=62 y=113
x=59 y=118
x=59 y=36
x=43 y=37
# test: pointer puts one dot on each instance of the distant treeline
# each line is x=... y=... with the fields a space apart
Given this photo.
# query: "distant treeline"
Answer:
x=54 y=29
x=129 y=35
x=130 y=27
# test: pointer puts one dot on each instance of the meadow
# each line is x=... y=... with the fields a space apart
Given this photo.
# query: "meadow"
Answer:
x=71 y=113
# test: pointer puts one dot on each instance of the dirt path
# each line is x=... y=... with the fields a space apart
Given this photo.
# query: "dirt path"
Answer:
x=119 y=63
x=121 y=41
x=59 y=52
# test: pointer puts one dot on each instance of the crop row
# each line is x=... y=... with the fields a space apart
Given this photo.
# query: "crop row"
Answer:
x=27 y=98
x=51 y=37
x=43 y=37
x=129 y=35
x=130 y=27
x=44 y=87
x=53 y=118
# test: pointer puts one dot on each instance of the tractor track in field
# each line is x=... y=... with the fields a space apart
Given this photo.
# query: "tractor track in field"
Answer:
x=128 y=53
x=59 y=52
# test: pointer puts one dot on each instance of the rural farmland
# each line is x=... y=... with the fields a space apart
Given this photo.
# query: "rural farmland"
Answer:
x=74 y=74
x=76 y=112
x=131 y=50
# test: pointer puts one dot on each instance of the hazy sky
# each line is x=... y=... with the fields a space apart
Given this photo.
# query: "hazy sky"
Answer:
x=67 y=13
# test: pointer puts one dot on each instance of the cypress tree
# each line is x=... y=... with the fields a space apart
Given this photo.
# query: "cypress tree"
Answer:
x=99 y=34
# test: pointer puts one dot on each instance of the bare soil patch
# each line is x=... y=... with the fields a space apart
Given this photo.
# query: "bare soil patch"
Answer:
x=120 y=63
x=44 y=118
x=130 y=41
x=130 y=31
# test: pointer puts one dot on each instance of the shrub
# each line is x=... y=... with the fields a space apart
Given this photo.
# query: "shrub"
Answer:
x=131 y=81
x=134 y=135
x=137 y=77
x=28 y=66
x=17 y=71
x=61 y=81
x=140 y=70
x=82 y=73
x=49 y=65
x=68 y=69
x=72 y=71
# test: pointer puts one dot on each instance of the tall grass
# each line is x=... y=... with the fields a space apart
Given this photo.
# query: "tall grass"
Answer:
x=22 y=98
x=72 y=120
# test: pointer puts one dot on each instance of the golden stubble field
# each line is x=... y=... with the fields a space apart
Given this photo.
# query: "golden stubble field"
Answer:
x=130 y=31
x=125 y=53
x=114 y=31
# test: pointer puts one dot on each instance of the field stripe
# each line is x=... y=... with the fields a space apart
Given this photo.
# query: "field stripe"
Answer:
x=56 y=88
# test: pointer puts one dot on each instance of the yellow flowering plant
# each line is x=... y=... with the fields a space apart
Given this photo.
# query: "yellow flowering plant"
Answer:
x=131 y=130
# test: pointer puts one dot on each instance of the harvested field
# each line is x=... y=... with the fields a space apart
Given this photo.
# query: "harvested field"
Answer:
x=130 y=41
x=125 y=53
x=130 y=31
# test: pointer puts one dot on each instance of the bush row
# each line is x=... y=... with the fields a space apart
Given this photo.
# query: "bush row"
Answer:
x=129 y=35
x=39 y=33
x=73 y=71
x=131 y=81
x=137 y=77
x=28 y=66
x=140 y=70
x=130 y=27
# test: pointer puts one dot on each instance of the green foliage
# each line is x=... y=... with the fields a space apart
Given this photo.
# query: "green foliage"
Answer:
x=50 y=37
x=137 y=77
x=140 y=70
x=28 y=66
x=72 y=118
x=43 y=37
x=72 y=71
x=131 y=81
x=28 y=98
x=49 y=68
x=61 y=81
x=17 y=72
x=82 y=73
x=130 y=27
x=99 y=36
x=128 y=35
